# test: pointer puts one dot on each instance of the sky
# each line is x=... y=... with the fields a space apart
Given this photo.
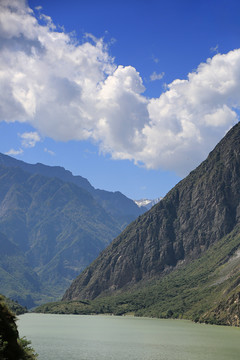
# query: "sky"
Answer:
x=131 y=95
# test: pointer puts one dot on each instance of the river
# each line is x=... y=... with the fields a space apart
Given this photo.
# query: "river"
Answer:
x=81 y=337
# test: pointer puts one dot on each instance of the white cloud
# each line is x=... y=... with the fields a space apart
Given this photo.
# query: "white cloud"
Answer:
x=14 y=152
x=49 y=152
x=29 y=139
x=73 y=91
x=154 y=76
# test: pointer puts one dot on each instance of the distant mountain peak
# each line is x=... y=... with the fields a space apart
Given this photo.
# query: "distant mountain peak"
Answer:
x=147 y=203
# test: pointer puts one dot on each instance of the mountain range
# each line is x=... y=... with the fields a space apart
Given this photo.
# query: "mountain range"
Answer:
x=52 y=225
x=181 y=258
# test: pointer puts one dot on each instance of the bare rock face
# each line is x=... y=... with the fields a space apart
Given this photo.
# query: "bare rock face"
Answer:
x=195 y=214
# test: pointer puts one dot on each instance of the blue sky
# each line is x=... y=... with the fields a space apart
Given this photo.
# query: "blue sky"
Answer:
x=130 y=95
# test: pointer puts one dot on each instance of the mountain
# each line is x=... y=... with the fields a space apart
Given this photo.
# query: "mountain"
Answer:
x=204 y=290
x=123 y=209
x=17 y=279
x=199 y=213
x=52 y=227
x=146 y=203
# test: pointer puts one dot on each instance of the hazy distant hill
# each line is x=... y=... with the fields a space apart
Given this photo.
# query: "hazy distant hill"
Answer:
x=53 y=228
x=194 y=230
x=17 y=278
x=123 y=209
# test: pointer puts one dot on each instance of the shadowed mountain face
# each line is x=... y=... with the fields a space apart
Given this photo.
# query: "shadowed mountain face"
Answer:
x=193 y=216
x=117 y=205
x=53 y=228
x=16 y=275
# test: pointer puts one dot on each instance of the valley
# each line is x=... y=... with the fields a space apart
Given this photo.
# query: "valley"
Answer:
x=52 y=225
x=179 y=259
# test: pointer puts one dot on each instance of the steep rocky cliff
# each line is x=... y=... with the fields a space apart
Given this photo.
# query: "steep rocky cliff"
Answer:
x=193 y=216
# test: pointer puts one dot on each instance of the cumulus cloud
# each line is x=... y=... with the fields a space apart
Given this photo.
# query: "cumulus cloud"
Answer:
x=155 y=76
x=70 y=90
x=29 y=139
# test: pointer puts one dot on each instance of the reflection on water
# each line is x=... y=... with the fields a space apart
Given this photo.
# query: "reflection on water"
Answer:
x=81 y=337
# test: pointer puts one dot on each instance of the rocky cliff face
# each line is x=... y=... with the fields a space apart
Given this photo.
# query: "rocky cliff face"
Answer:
x=195 y=214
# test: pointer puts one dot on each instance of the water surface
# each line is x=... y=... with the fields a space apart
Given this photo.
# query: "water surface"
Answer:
x=77 y=337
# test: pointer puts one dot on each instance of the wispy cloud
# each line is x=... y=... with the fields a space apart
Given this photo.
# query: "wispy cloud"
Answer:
x=14 y=152
x=155 y=59
x=70 y=90
x=52 y=153
x=87 y=151
x=154 y=76
x=214 y=49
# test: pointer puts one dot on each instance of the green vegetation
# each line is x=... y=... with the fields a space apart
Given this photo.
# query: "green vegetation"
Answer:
x=16 y=308
x=192 y=291
x=11 y=347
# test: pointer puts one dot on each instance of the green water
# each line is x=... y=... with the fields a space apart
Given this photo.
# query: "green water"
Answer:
x=76 y=337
